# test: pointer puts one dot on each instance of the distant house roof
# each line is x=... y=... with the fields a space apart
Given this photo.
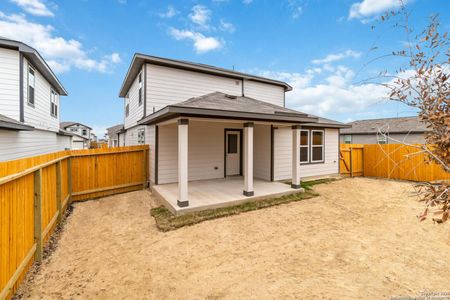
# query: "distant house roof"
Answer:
x=36 y=59
x=328 y=123
x=220 y=105
x=391 y=125
x=64 y=125
x=11 y=124
x=140 y=59
x=115 y=129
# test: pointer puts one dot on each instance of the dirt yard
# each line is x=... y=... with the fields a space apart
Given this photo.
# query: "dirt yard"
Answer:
x=359 y=239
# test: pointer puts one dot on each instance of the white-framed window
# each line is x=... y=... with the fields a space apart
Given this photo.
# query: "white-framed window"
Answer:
x=31 y=85
x=317 y=146
x=53 y=103
x=381 y=139
x=141 y=136
x=84 y=132
x=140 y=88
x=127 y=105
x=347 y=138
x=73 y=129
x=304 y=146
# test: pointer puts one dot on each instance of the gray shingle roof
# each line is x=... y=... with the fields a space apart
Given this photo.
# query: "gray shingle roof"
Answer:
x=392 y=125
x=64 y=125
x=114 y=129
x=221 y=101
x=8 y=123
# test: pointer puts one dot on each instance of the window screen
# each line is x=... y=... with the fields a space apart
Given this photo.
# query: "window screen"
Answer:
x=232 y=143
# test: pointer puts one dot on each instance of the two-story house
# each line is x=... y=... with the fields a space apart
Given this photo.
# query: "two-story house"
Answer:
x=29 y=104
x=116 y=135
x=204 y=123
x=81 y=134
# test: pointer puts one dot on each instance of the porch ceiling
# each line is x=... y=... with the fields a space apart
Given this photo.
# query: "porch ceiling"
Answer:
x=223 y=106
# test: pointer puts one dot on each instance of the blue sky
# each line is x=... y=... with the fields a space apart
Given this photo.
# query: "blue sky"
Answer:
x=320 y=47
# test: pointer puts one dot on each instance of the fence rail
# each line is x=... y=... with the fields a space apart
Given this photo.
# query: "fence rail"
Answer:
x=35 y=192
x=393 y=161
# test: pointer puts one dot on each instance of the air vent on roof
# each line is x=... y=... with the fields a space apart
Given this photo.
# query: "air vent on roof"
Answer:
x=231 y=96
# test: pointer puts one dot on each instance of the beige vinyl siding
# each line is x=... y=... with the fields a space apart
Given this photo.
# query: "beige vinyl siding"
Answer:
x=261 y=151
x=166 y=86
x=39 y=115
x=19 y=144
x=206 y=150
x=283 y=156
x=136 y=110
x=9 y=84
x=150 y=140
x=131 y=136
x=264 y=92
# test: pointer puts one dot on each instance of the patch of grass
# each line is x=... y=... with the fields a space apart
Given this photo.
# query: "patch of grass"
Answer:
x=308 y=185
x=166 y=221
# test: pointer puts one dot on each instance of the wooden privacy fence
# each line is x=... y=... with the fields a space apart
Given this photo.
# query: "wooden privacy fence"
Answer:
x=393 y=161
x=35 y=192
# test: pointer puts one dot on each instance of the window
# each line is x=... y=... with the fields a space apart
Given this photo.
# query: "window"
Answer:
x=84 y=132
x=317 y=145
x=127 y=110
x=381 y=139
x=73 y=129
x=232 y=143
x=347 y=139
x=304 y=146
x=141 y=136
x=31 y=82
x=53 y=103
x=140 y=88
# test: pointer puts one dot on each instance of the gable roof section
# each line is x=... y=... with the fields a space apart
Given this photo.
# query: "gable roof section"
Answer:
x=64 y=125
x=115 y=129
x=220 y=105
x=391 y=125
x=37 y=61
x=11 y=124
x=140 y=59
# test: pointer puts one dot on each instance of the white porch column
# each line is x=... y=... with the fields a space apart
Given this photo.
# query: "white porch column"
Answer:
x=296 y=157
x=183 y=200
x=248 y=159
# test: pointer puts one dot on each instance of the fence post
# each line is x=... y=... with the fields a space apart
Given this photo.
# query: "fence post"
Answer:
x=69 y=179
x=58 y=190
x=351 y=162
x=144 y=171
x=38 y=214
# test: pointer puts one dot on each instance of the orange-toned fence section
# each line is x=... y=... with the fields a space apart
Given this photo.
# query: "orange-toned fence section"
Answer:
x=393 y=161
x=351 y=160
x=35 y=192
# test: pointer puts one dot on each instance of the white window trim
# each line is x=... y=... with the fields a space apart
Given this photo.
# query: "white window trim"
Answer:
x=317 y=146
x=54 y=100
x=30 y=67
x=304 y=146
x=139 y=131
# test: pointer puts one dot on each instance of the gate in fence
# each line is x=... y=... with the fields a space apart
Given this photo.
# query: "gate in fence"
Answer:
x=352 y=160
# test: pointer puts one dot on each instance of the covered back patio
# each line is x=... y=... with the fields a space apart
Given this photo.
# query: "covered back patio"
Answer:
x=217 y=150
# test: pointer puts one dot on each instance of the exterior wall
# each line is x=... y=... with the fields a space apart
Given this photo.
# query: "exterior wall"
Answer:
x=131 y=135
x=39 y=116
x=80 y=143
x=136 y=111
x=121 y=138
x=283 y=156
x=261 y=151
x=19 y=144
x=78 y=129
x=166 y=86
x=150 y=134
x=413 y=138
x=9 y=83
x=265 y=92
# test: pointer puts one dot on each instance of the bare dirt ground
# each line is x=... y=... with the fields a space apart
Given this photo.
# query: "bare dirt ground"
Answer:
x=359 y=239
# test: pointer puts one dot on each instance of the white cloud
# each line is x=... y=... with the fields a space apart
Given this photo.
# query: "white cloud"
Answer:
x=296 y=8
x=247 y=1
x=169 y=13
x=202 y=43
x=336 y=57
x=34 y=7
x=200 y=15
x=334 y=93
x=368 y=8
x=61 y=54
x=227 y=26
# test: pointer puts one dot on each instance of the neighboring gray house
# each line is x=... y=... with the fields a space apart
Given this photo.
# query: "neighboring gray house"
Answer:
x=81 y=134
x=408 y=129
x=218 y=135
x=29 y=104
x=116 y=136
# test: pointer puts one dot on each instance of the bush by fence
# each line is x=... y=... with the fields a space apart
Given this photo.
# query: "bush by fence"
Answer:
x=35 y=191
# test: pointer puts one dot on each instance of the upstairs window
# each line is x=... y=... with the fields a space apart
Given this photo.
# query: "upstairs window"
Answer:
x=317 y=145
x=140 y=88
x=31 y=83
x=304 y=146
x=127 y=110
x=53 y=104
x=141 y=136
x=84 y=132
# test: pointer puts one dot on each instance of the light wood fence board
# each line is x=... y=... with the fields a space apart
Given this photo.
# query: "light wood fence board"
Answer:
x=92 y=174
